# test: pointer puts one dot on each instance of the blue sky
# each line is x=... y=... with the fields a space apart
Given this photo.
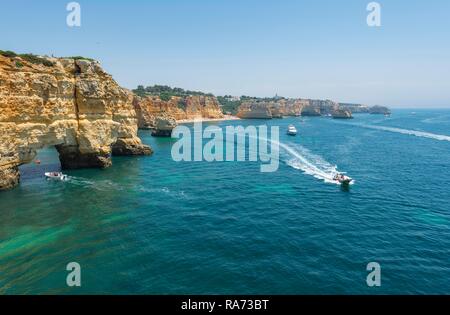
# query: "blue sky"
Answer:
x=311 y=48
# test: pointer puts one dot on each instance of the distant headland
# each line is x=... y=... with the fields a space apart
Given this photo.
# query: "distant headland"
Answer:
x=160 y=107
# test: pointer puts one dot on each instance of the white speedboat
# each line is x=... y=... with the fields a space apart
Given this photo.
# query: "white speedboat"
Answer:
x=292 y=131
x=343 y=179
x=56 y=175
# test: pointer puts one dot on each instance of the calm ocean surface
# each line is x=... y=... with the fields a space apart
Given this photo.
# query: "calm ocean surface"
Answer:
x=152 y=225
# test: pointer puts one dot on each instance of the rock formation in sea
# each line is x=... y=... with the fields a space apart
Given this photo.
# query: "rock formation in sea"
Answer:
x=69 y=103
x=377 y=109
x=342 y=114
x=163 y=126
x=355 y=108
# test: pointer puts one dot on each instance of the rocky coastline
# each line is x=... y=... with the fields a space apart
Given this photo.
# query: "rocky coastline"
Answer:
x=162 y=116
x=71 y=104
x=75 y=106
x=262 y=109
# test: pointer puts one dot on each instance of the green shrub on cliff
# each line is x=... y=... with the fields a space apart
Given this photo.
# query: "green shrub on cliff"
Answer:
x=165 y=96
x=28 y=57
x=8 y=53
x=182 y=104
x=166 y=92
x=37 y=60
x=80 y=58
x=228 y=105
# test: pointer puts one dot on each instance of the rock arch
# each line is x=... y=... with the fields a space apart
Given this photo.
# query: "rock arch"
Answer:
x=73 y=105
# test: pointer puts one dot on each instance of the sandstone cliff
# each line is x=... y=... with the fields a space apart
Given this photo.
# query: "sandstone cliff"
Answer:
x=293 y=107
x=320 y=107
x=163 y=126
x=70 y=104
x=311 y=110
x=255 y=110
x=191 y=107
x=267 y=110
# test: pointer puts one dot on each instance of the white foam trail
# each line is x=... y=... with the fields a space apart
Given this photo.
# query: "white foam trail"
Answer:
x=306 y=161
x=422 y=134
x=101 y=185
x=309 y=163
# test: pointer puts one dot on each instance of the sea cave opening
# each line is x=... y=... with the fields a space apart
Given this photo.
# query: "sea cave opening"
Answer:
x=46 y=160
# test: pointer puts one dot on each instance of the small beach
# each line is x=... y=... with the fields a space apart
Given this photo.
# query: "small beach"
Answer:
x=224 y=118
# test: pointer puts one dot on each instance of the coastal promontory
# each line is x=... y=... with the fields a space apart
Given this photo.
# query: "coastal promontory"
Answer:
x=69 y=103
x=160 y=112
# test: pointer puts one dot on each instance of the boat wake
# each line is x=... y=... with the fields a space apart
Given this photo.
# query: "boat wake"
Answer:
x=302 y=159
x=100 y=185
x=422 y=134
x=311 y=164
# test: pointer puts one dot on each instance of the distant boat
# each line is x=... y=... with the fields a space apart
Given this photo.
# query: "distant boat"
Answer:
x=292 y=131
x=56 y=175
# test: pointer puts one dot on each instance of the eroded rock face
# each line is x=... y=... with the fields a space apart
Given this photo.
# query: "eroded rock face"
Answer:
x=255 y=110
x=311 y=110
x=202 y=107
x=163 y=126
x=342 y=114
x=9 y=177
x=381 y=110
x=267 y=110
x=73 y=105
x=293 y=107
x=192 y=107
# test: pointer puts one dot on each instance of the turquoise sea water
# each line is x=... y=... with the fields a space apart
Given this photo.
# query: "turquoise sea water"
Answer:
x=150 y=225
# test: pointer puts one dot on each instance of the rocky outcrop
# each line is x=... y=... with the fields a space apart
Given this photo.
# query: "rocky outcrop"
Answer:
x=311 y=110
x=260 y=109
x=377 y=109
x=293 y=107
x=70 y=104
x=342 y=114
x=255 y=110
x=201 y=107
x=163 y=126
x=327 y=107
x=319 y=108
x=149 y=108
x=355 y=108
x=277 y=110
x=267 y=110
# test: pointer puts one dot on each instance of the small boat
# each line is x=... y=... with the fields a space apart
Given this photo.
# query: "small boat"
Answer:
x=343 y=179
x=56 y=175
x=292 y=131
